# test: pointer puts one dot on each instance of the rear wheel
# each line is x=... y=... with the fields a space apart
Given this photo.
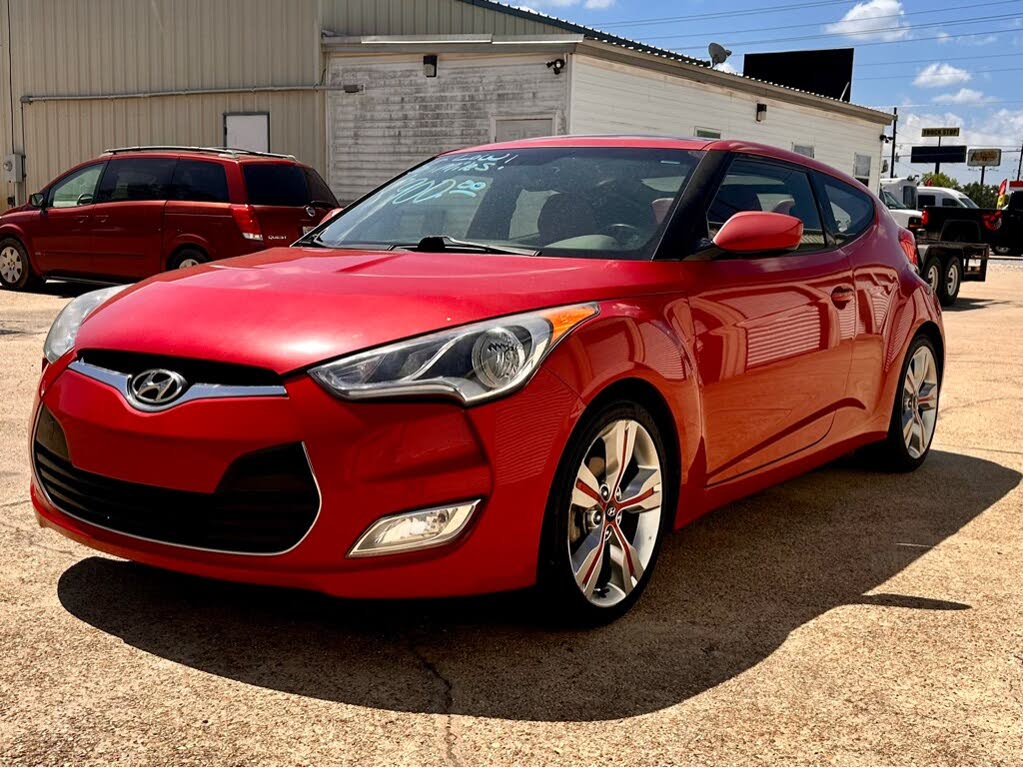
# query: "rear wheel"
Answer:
x=187 y=257
x=606 y=516
x=951 y=281
x=16 y=273
x=931 y=273
x=915 y=412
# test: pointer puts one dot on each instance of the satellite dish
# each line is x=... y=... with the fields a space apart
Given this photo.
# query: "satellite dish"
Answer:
x=718 y=54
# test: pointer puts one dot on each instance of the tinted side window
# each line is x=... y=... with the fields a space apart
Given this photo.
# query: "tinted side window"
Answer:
x=925 y=200
x=851 y=210
x=276 y=184
x=143 y=178
x=950 y=202
x=199 y=181
x=752 y=185
x=76 y=189
x=318 y=189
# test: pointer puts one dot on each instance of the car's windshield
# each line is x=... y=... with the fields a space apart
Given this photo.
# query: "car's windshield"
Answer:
x=602 y=202
x=890 y=201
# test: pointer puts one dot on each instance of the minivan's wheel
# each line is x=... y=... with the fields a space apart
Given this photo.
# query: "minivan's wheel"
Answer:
x=16 y=272
x=608 y=510
x=915 y=412
x=187 y=257
x=931 y=274
x=951 y=281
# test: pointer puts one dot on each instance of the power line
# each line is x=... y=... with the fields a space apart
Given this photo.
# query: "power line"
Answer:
x=937 y=61
x=996 y=31
x=873 y=32
x=911 y=74
x=727 y=33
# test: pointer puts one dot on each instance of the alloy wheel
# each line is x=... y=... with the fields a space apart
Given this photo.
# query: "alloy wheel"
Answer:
x=11 y=264
x=920 y=401
x=187 y=262
x=615 y=512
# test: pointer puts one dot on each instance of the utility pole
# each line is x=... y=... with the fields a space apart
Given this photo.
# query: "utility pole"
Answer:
x=1019 y=167
x=937 y=165
x=895 y=127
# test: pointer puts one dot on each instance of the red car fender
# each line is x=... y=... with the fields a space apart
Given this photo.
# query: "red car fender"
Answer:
x=634 y=347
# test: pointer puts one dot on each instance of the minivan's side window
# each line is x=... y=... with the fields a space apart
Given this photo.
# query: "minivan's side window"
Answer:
x=77 y=189
x=143 y=178
x=850 y=210
x=199 y=181
x=752 y=185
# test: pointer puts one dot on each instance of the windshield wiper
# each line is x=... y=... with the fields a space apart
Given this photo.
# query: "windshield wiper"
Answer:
x=441 y=243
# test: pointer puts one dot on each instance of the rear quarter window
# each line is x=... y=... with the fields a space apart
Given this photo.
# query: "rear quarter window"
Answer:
x=276 y=184
x=850 y=210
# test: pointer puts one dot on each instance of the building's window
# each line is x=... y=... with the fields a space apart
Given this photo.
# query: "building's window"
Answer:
x=707 y=133
x=806 y=150
x=861 y=169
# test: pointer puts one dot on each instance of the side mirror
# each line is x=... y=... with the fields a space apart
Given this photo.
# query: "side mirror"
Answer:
x=37 y=200
x=758 y=232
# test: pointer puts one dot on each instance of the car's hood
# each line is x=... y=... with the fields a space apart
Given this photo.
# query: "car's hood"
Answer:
x=287 y=308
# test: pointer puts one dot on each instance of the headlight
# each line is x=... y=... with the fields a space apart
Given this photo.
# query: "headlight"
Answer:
x=65 y=328
x=472 y=363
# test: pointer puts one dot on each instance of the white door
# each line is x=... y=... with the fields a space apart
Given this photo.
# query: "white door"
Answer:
x=510 y=129
x=247 y=131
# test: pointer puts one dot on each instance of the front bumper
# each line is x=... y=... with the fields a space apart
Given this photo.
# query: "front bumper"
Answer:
x=368 y=460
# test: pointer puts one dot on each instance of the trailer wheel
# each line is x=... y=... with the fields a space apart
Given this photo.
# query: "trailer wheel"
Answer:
x=931 y=273
x=951 y=281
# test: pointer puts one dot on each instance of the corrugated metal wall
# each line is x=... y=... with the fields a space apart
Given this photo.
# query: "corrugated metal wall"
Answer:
x=424 y=17
x=123 y=47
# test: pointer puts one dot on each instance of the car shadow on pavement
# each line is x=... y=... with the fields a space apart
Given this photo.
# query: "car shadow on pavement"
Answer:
x=727 y=592
x=964 y=303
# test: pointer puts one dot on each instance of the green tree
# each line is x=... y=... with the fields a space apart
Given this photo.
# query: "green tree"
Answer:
x=984 y=195
x=939 y=180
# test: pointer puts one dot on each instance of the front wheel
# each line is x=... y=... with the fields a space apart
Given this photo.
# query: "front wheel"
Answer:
x=607 y=513
x=16 y=273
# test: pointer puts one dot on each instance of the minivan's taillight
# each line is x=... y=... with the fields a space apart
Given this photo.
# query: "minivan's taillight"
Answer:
x=245 y=218
x=908 y=244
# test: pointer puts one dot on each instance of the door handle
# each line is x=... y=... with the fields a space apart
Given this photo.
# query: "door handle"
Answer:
x=842 y=295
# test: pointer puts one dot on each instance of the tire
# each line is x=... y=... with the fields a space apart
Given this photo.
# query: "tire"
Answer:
x=582 y=525
x=16 y=272
x=951 y=281
x=931 y=273
x=187 y=257
x=907 y=444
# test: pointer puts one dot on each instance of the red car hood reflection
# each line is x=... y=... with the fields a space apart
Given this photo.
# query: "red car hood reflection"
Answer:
x=287 y=308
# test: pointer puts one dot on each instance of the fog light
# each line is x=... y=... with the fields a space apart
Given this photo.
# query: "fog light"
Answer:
x=408 y=531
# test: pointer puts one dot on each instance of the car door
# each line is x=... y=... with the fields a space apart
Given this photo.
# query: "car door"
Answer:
x=774 y=331
x=61 y=235
x=128 y=218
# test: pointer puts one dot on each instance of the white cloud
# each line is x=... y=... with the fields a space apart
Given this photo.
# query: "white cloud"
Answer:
x=726 y=67
x=943 y=37
x=938 y=75
x=872 y=20
x=598 y=4
x=962 y=96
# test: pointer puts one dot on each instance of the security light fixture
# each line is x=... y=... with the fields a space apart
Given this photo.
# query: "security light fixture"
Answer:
x=430 y=65
x=761 y=112
x=557 y=65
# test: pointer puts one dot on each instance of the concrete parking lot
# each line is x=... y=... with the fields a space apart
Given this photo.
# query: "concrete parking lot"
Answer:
x=844 y=617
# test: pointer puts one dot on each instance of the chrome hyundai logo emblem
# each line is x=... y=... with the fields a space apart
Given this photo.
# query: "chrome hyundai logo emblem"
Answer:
x=157 y=386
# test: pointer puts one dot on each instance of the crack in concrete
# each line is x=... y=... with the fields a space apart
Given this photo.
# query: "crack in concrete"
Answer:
x=447 y=700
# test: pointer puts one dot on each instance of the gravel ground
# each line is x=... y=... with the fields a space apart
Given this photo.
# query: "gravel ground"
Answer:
x=844 y=617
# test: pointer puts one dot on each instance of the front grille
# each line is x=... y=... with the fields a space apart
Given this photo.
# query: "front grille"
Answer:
x=204 y=371
x=264 y=504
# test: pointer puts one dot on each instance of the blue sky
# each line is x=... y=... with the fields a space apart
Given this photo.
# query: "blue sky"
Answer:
x=941 y=62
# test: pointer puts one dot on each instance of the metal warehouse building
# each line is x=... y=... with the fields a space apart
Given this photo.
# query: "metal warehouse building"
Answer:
x=361 y=89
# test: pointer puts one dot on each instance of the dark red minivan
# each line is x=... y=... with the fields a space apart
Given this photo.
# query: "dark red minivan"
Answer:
x=137 y=211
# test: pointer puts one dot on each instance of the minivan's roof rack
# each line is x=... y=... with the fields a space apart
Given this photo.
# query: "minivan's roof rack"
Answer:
x=222 y=151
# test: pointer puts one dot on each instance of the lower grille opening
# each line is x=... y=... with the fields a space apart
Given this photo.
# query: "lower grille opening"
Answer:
x=265 y=503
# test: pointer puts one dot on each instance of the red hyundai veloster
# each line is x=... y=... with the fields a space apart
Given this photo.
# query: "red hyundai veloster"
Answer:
x=520 y=364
